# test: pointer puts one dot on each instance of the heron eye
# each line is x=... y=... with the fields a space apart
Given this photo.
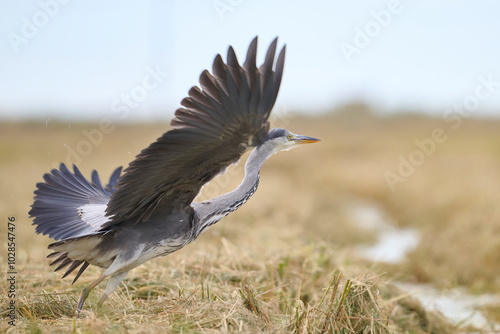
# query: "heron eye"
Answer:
x=289 y=137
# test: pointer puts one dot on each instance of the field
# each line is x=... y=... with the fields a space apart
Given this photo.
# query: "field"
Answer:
x=285 y=261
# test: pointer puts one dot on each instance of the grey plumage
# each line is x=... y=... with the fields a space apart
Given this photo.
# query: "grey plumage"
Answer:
x=216 y=125
x=57 y=200
x=149 y=210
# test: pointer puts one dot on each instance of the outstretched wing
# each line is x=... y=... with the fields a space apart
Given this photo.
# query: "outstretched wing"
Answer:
x=67 y=205
x=216 y=125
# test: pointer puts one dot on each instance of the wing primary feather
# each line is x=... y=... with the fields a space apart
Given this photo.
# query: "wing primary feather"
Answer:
x=219 y=72
x=208 y=86
x=80 y=179
x=250 y=62
x=64 y=264
x=232 y=60
x=113 y=179
x=192 y=112
x=204 y=105
x=255 y=95
x=233 y=66
x=96 y=181
x=267 y=67
x=222 y=117
x=201 y=111
x=53 y=254
x=272 y=88
x=59 y=259
x=196 y=123
x=82 y=269
x=74 y=265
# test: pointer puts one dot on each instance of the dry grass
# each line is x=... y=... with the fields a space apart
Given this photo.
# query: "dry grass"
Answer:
x=296 y=294
x=284 y=261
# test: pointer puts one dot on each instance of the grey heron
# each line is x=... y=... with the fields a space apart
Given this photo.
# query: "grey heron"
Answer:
x=149 y=210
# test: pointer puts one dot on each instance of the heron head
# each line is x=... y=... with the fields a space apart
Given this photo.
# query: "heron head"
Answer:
x=284 y=140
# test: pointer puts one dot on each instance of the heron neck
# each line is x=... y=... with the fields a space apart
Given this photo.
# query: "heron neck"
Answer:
x=211 y=211
x=248 y=186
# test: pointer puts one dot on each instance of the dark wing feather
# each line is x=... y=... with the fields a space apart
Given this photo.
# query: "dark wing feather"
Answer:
x=63 y=257
x=215 y=126
x=60 y=197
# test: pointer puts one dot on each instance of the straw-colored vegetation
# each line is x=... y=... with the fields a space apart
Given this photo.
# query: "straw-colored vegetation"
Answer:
x=284 y=262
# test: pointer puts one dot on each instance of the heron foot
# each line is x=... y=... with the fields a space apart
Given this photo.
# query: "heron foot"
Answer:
x=85 y=293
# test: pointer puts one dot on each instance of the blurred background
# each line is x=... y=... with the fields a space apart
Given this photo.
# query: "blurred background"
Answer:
x=405 y=96
x=73 y=60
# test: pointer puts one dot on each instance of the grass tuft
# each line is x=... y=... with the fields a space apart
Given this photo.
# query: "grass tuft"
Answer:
x=284 y=262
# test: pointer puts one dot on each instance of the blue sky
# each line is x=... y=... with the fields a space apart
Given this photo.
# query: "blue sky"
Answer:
x=78 y=59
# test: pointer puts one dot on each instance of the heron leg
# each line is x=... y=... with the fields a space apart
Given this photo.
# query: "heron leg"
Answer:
x=113 y=282
x=86 y=291
x=118 y=264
